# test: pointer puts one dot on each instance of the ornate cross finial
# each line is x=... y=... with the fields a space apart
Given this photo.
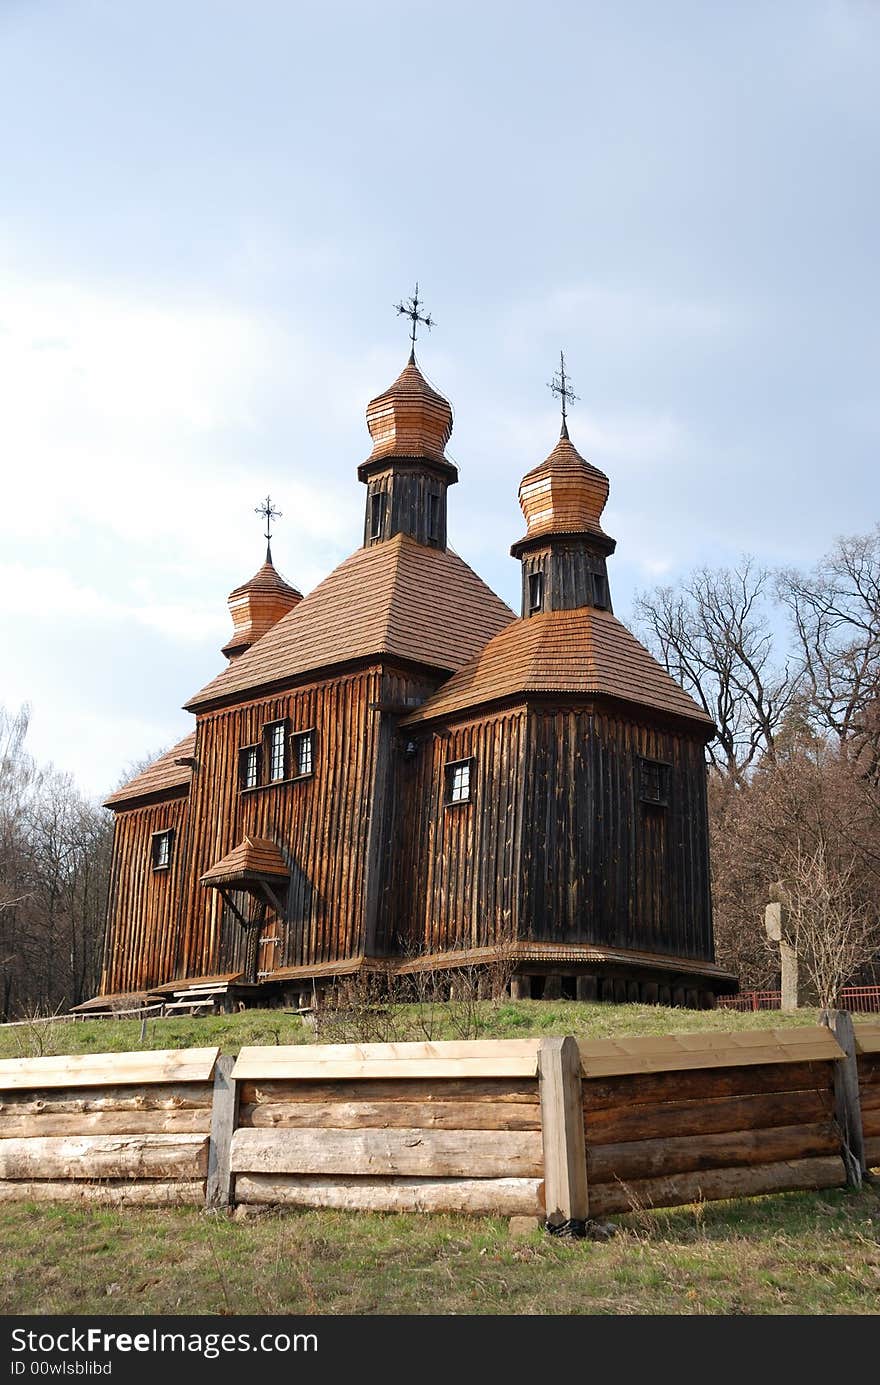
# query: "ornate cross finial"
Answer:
x=560 y=387
x=410 y=308
x=268 y=511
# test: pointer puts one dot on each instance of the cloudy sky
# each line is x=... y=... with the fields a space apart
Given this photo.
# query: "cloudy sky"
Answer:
x=209 y=207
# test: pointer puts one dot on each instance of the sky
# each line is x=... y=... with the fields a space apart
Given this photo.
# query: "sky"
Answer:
x=209 y=208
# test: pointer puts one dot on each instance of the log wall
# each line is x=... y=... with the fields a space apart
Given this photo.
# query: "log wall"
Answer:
x=867 y=1036
x=124 y=1128
x=491 y=1128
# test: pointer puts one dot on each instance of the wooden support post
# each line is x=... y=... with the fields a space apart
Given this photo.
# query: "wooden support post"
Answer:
x=562 y=1127
x=588 y=988
x=224 y=1118
x=519 y=988
x=847 y=1104
x=552 y=986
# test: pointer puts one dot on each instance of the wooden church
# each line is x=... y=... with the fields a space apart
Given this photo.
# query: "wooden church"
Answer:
x=396 y=772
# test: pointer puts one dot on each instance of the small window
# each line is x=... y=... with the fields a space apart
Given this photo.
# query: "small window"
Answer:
x=277 y=751
x=302 y=747
x=377 y=514
x=161 y=849
x=536 y=592
x=600 y=591
x=249 y=766
x=458 y=782
x=654 y=782
x=434 y=517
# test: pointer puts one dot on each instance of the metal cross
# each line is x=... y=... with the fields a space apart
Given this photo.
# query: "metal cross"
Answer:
x=562 y=389
x=410 y=308
x=268 y=511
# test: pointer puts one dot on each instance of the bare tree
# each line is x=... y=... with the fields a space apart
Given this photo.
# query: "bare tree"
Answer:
x=835 y=612
x=834 y=933
x=713 y=635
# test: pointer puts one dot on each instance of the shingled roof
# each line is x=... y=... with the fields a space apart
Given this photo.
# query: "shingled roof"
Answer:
x=582 y=651
x=254 y=857
x=161 y=777
x=397 y=598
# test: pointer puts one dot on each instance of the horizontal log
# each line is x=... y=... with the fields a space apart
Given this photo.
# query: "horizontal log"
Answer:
x=253 y=1061
x=108 y=1069
x=504 y=1089
x=870 y=1122
x=681 y=1052
x=382 y=1115
x=429 y=1153
x=716 y=1184
x=14 y=1125
x=689 y=1153
x=173 y=1097
x=869 y=1097
x=618 y=1124
x=872 y=1152
x=157 y=1194
x=105 y=1156
x=705 y=1084
x=485 y=1197
x=867 y=1036
x=330 y=1069
x=869 y=1069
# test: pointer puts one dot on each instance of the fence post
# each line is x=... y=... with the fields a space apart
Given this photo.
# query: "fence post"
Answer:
x=562 y=1129
x=224 y=1118
x=847 y=1104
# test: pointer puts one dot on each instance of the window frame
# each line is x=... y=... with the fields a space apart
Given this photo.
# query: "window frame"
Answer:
x=377 y=511
x=449 y=771
x=269 y=746
x=433 y=517
x=244 y=752
x=601 y=592
x=165 y=834
x=646 y=765
x=296 y=736
x=536 y=581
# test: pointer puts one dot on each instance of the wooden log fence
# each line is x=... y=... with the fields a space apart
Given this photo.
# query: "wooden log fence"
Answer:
x=561 y=1130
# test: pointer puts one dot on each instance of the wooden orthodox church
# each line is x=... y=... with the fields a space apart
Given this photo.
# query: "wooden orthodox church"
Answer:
x=396 y=772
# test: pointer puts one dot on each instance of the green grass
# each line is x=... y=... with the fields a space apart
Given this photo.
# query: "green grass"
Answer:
x=797 y=1253
x=507 y=1020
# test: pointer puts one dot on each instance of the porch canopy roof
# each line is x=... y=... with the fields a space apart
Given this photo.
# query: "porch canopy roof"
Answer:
x=252 y=862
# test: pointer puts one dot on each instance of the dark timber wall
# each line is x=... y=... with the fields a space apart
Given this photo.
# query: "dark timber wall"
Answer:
x=599 y=865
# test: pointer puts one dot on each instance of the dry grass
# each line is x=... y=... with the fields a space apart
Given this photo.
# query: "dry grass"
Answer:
x=798 y=1253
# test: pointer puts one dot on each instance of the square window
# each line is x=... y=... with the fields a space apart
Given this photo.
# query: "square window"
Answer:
x=303 y=753
x=161 y=849
x=654 y=782
x=536 y=592
x=249 y=766
x=458 y=781
x=276 y=746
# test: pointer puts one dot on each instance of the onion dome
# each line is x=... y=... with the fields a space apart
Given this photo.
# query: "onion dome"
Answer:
x=409 y=420
x=564 y=495
x=257 y=605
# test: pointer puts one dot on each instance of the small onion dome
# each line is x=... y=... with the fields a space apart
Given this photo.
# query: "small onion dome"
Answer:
x=564 y=495
x=257 y=605
x=409 y=420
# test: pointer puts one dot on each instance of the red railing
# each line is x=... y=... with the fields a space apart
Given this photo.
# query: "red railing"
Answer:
x=863 y=999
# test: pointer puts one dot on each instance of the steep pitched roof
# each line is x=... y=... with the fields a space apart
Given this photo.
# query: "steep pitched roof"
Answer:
x=160 y=777
x=397 y=598
x=583 y=651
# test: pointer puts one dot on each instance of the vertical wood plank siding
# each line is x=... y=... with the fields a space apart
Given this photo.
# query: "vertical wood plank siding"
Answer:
x=143 y=903
x=321 y=823
x=600 y=866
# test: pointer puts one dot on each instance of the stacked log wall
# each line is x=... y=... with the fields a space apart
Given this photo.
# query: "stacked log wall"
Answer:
x=867 y=1037
x=123 y=1128
x=143 y=904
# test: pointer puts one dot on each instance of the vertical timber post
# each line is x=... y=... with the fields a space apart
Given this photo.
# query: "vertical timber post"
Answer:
x=224 y=1118
x=847 y=1103
x=562 y=1129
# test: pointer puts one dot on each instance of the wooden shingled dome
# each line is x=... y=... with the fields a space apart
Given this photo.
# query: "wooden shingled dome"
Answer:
x=410 y=419
x=564 y=495
x=257 y=605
